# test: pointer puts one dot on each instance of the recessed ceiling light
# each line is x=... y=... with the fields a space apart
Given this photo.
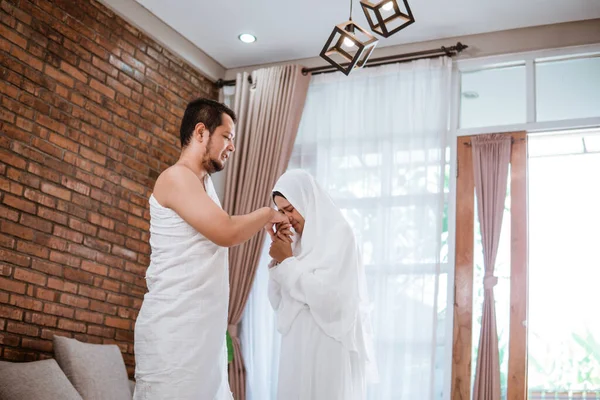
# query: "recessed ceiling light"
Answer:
x=247 y=38
x=470 y=95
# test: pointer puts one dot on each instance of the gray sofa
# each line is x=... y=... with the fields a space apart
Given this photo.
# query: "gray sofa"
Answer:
x=79 y=371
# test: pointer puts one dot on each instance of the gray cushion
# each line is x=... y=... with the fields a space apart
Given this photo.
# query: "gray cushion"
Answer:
x=37 y=380
x=97 y=371
x=132 y=387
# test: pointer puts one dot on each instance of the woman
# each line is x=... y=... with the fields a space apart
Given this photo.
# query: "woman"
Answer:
x=317 y=287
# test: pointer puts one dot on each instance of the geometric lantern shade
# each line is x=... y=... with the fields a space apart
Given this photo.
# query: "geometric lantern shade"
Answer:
x=348 y=47
x=386 y=17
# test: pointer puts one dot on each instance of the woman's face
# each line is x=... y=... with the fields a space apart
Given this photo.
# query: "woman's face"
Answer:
x=290 y=211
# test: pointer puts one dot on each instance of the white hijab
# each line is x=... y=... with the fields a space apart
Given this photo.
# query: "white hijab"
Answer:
x=327 y=248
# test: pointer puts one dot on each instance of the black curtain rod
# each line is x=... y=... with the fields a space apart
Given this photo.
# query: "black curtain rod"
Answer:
x=376 y=62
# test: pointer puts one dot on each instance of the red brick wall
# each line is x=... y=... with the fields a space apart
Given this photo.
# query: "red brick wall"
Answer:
x=89 y=116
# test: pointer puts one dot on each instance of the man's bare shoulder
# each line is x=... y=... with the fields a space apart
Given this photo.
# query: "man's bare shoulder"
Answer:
x=173 y=179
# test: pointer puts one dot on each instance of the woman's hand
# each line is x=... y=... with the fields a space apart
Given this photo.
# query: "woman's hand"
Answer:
x=284 y=232
x=280 y=250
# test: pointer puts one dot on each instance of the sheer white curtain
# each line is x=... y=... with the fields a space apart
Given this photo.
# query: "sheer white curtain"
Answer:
x=377 y=141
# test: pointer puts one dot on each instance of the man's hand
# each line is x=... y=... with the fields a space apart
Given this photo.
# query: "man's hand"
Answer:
x=278 y=220
x=280 y=250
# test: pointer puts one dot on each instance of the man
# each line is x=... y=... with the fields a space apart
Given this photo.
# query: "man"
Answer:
x=180 y=331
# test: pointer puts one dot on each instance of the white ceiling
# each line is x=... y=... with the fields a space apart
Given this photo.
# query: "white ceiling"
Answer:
x=295 y=29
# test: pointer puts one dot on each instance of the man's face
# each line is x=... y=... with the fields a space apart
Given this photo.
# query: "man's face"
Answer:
x=220 y=145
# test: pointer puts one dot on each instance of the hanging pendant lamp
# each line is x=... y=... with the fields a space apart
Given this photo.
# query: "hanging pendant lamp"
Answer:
x=349 y=46
x=387 y=17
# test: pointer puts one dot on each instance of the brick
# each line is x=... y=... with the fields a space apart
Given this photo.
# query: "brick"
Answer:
x=26 y=302
x=105 y=67
x=46 y=294
x=9 y=340
x=73 y=326
x=94 y=48
x=5 y=270
x=32 y=249
x=11 y=285
x=37 y=344
x=111 y=237
x=46 y=267
x=19 y=203
x=58 y=310
x=73 y=71
x=118 y=86
x=53 y=216
x=78 y=276
x=83 y=227
x=96 y=244
x=47 y=148
x=91 y=70
x=22 y=329
x=86 y=316
x=8 y=214
x=101 y=331
x=124 y=335
x=14 y=313
x=92 y=155
x=82 y=251
x=17 y=230
x=88 y=92
x=125 y=253
x=19 y=355
x=75 y=210
x=119 y=300
x=39 y=198
x=27 y=58
x=52 y=242
x=51 y=124
x=11 y=35
x=65 y=259
x=44 y=320
x=23 y=177
x=43 y=172
x=118 y=323
x=56 y=191
x=94 y=293
x=63 y=142
x=101 y=196
x=36 y=223
x=14 y=258
x=7 y=241
x=10 y=187
x=50 y=333
x=105 y=90
x=111 y=285
x=68 y=234
x=61 y=285
x=138 y=223
x=99 y=111
x=75 y=301
x=30 y=276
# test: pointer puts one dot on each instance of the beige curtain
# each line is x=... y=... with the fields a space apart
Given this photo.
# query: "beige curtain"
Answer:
x=269 y=111
x=491 y=156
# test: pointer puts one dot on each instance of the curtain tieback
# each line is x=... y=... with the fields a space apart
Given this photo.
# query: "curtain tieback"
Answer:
x=490 y=281
x=233 y=330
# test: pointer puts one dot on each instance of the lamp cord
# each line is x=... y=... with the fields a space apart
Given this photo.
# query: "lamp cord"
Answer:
x=350 y=10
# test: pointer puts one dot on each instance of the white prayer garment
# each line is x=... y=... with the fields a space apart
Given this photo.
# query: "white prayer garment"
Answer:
x=180 y=347
x=321 y=302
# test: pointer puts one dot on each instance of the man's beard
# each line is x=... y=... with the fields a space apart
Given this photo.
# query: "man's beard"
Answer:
x=210 y=165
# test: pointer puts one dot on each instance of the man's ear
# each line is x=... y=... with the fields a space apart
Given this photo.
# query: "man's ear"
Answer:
x=200 y=132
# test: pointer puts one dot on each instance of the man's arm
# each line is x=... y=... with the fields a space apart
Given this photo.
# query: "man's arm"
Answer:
x=185 y=195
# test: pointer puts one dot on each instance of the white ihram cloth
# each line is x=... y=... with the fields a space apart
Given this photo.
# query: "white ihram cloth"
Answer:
x=321 y=302
x=180 y=347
